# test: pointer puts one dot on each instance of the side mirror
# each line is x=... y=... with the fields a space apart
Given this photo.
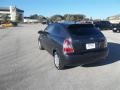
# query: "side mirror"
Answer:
x=40 y=32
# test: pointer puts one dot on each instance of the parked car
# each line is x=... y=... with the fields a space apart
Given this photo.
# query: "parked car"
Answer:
x=116 y=27
x=103 y=25
x=73 y=44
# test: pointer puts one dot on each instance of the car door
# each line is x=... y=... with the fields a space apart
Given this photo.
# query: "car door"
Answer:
x=56 y=38
x=48 y=38
x=43 y=38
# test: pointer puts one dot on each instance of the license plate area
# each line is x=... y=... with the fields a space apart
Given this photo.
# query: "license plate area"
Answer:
x=90 y=46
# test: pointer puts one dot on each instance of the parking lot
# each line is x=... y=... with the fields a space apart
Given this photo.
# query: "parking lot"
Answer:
x=24 y=67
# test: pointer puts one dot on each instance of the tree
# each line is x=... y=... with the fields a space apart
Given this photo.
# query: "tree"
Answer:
x=19 y=18
x=42 y=18
x=56 y=18
x=5 y=17
x=74 y=17
x=35 y=16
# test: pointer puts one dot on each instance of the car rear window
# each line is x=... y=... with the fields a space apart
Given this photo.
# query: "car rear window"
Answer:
x=82 y=29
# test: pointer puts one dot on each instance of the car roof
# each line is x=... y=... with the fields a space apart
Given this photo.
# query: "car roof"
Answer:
x=66 y=24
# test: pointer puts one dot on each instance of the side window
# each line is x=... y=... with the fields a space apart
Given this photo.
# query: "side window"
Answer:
x=59 y=31
x=46 y=29
x=49 y=29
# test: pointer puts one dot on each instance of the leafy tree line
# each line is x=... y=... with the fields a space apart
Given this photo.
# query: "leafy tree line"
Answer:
x=4 y=17
x=38 y=17
x=56 y=18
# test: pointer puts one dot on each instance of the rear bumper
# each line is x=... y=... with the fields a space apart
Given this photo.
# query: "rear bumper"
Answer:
x=85 y=58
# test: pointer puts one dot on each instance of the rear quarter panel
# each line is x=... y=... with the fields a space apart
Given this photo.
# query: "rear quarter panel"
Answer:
x=56 y=44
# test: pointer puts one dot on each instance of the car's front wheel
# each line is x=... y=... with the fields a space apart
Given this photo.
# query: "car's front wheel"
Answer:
x=114 y=30
x=57 y=61
x=40 y=46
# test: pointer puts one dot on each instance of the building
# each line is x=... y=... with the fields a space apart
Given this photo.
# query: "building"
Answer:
x=114 y=19
x=14 y=14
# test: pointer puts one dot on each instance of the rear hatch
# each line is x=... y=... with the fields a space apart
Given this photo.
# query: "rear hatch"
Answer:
x=86 y=38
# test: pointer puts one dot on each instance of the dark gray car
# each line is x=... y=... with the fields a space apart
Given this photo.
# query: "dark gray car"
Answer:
x=73 y=44
x=116 y=27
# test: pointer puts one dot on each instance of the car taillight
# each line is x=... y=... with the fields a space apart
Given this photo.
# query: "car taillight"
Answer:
x=67 y=46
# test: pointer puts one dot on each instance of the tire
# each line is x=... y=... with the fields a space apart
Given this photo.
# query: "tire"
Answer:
x=114 y=30
x=57 y=62
x=40 y=46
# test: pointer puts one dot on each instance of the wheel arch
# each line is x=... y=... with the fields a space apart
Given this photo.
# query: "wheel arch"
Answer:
x=54 y=50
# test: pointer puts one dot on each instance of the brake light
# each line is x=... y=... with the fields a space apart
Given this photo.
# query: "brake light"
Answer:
x=67 y=46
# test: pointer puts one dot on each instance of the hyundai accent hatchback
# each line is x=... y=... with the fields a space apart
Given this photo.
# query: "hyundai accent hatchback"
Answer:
x=73 y=44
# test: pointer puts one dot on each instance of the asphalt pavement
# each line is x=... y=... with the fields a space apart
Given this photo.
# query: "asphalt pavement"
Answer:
x=24 y=67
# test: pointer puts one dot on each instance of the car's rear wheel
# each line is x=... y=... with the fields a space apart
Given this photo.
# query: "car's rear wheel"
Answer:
x=57 y=62
x=40 y=46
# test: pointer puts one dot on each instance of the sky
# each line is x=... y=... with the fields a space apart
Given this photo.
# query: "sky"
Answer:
x=97 y=9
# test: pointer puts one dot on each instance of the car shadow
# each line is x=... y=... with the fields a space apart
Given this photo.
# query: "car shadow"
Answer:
x=113 y=56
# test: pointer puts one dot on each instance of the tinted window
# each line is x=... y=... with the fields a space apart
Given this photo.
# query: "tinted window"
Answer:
x=49 y=29
x=59 y=31
x=116 y=25
x=102 y=24
x=83 y=29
